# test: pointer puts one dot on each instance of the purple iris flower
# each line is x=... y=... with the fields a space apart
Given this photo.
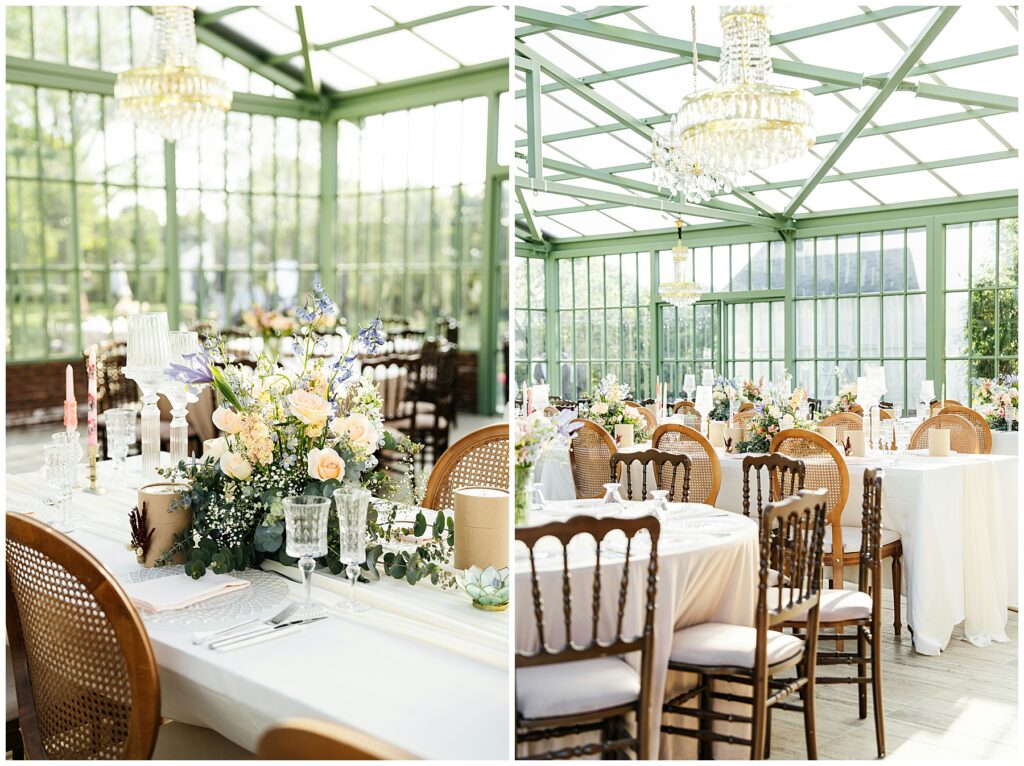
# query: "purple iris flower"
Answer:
x=759 y=408
x=195 y=371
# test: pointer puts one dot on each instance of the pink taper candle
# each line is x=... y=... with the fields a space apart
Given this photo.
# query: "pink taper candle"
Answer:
x=90 y=370
x=70 y=405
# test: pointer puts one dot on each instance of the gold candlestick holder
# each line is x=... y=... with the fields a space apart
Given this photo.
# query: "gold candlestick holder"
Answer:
x=92 y=488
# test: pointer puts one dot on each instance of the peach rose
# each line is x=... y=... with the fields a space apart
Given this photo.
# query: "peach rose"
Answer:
x=601 y=408
x=308 y=407
x=235 y=466
x=228 y=421
x=324 y=464
x=358 y=428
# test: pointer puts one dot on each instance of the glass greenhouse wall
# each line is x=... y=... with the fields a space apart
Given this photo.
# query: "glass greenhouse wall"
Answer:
x=393 y=196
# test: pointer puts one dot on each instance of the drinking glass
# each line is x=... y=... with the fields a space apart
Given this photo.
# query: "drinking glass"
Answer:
x=903 y=431
x=888 y=429
x=120 y=437
x=61 y=469
x=689 y=383
x=351 y=504
x=897 y=409
x=611 y=494
x=536 y=499
x=659 y=501
x=305 y=523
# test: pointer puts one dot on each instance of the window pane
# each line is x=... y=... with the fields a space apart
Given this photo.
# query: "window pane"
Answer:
x=983 y=254
x=957 y=249
x=917 y=259
x=1008 y=252
x=956 y=324
x=826 y=260
x=870 y=263
x=870 y=327
x=759 y=266
x=778 y=265
x=848 y=264
x=892 y=337
x=805 y=267
x=892 y=261
x=826 y=328
x=916 y=327
x=805 y=329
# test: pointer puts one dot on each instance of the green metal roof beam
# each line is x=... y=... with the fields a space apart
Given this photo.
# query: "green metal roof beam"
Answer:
x=397 y=27
x=668 y=206
x=205 y=19
x=312 y=81
x=585 y=92
x=554 y=21
x=910 y=57
x=967 y=97
x=530 y=223
x=601 y=12
x=848 y=23
x=912 y=167
x=535 y=150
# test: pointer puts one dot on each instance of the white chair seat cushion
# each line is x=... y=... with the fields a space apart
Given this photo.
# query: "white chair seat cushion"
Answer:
x=834 y=605
x=851 y=539
x=567 y=688
x=714 y=644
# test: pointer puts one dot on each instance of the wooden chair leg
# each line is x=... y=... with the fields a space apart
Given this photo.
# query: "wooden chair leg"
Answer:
x=810 y=734
x=15 y=744
x=876 y=690
x=768 y=733
x=862 y=672
x=897 y=587
x=704 y=749
x=759 y=714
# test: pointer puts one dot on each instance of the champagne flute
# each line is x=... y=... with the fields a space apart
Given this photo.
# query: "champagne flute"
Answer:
x=351 y=504
x=305 y=520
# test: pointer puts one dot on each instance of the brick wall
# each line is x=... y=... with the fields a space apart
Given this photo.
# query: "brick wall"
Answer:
x=35 y=391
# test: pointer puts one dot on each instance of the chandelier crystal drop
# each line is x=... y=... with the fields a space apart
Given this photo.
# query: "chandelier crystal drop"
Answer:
x=680 y=291
x=170 y=94
x=674 y=168
x=745 y=123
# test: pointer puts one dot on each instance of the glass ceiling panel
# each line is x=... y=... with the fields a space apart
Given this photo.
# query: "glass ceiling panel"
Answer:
x=376 y=56
x=551 y=227
x=838 y=195
x=973 y=28
x=334 y=72
x=404 y=11
x=599 y=151
x=868 y=153
x=904 y=106
x=991 y=77
x=667 y=87
x=590 y=222
x=864 y=49
x=983 y=177
x=473 y=38
x=906 y=187
x=324 y=24
x=643 y=219
x=265 y=31
x=940 y=142
x=622 y=97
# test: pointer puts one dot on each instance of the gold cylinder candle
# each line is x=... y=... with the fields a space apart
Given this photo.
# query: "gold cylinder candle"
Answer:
x=716 y=433
x=165 y=518
x=938 y=442
x=481 y=527
x=624 y=435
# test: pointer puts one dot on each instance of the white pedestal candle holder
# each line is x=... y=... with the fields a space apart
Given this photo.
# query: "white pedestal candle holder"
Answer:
x=149 y=353
x=177 y=394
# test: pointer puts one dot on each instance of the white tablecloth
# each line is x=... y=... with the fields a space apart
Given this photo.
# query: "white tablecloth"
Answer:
x=957 y=517
x=1005 y=442
x=405 y=671
x=702 y=577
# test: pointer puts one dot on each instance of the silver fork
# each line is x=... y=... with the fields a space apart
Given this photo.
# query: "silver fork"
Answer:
x=200 y=639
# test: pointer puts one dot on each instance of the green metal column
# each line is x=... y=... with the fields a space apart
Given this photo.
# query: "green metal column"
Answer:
x=171 y=245
x=655 y=319
x=487 y=356
x=552 y=341
x=789 y=307
x=327 y=250
x=935 y=308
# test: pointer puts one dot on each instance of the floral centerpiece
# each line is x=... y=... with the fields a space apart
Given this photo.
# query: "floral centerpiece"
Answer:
x=292 y=433
x=608 y=409
x=845 y=401
x=751 y=391
x=536 y=433
x=996 y=400
x=776 y=404
x=270 y=324
x=722 y=391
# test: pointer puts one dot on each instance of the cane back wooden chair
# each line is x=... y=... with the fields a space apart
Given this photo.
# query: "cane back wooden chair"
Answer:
x=784 y=477
x=792 y=528
x=742 y=418
x=705 y=468
x=843 y=421
x=937 y=405
x=746 y=407
x=645 y=412
x=862 y=609
x=671 y=473
x=963 y=437
x=579 y=687
x=980 y=425
x=84 y=670
x=824 y=467
x=306 y=739
x=478 y=459
x=685 y=408
x=589 y=453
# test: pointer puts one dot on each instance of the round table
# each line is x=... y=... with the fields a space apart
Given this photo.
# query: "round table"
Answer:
x=707 y=569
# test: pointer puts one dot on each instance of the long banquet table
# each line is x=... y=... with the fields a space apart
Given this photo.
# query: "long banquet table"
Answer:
x=707 y=569
x=957 y=517
x=421 y=668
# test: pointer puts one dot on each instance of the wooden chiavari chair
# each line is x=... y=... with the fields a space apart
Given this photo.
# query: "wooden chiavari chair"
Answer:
x=578 y=687
x=784 y=478
x=479 y=459
x=665 y=467
x=979 y=423
x=843 y=421
x=685 y=408
x=792 y=528
x=705 y=469
x=589 y=453
x=646 y=413
x=963 y=437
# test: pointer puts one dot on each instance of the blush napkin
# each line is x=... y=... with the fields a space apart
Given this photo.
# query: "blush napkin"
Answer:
x=178 y=591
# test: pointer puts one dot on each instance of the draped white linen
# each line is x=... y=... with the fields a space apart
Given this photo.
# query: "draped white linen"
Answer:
x=1005 y=442
x=373 y=672
x=701 y=578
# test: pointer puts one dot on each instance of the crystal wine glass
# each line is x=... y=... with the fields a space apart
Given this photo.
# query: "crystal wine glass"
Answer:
x=120 y=437
x=689 y=383
x=61 y=464
x=305 y=521
x=352 y=504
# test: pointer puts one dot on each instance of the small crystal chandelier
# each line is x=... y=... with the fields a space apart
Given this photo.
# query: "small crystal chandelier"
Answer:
x=745 y=123
x=680 y=292
x=170 y=94
x=674 y=169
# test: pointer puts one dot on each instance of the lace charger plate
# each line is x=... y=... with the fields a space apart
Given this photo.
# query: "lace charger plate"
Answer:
x=267 y=591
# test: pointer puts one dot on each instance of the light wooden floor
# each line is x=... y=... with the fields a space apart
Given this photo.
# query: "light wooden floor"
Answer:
x=959 y=705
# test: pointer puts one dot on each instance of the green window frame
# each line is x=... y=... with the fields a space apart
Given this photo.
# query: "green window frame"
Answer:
x=530 y=321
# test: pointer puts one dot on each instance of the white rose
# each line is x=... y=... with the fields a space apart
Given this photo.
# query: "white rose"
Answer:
x=358 y=428
x=631 y=412
x=774 y=411
x=228 y=421
x=324 y=464
x=309 y=408
x=601 y=408
x=215 y=448
x=235 y=466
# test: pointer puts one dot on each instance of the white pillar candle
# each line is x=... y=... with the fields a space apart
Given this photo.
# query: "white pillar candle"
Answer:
x=624 y=435
x=856 y=443
x=735 y=433
x=716 y=433
x=828 y=433
x=938 y=442
x=540 y=396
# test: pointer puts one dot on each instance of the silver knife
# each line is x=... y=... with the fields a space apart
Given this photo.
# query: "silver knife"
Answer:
x=261 y=632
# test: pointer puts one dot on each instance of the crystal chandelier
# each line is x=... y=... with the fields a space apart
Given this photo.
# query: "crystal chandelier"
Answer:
x=674 y=168
x=170 y=94
x=745 y=123
x=680 y=292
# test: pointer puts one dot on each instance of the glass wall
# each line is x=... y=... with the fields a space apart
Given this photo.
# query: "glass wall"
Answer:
x=531 y=330
x=980 y=303
x=860 y=301
x=411 y=203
